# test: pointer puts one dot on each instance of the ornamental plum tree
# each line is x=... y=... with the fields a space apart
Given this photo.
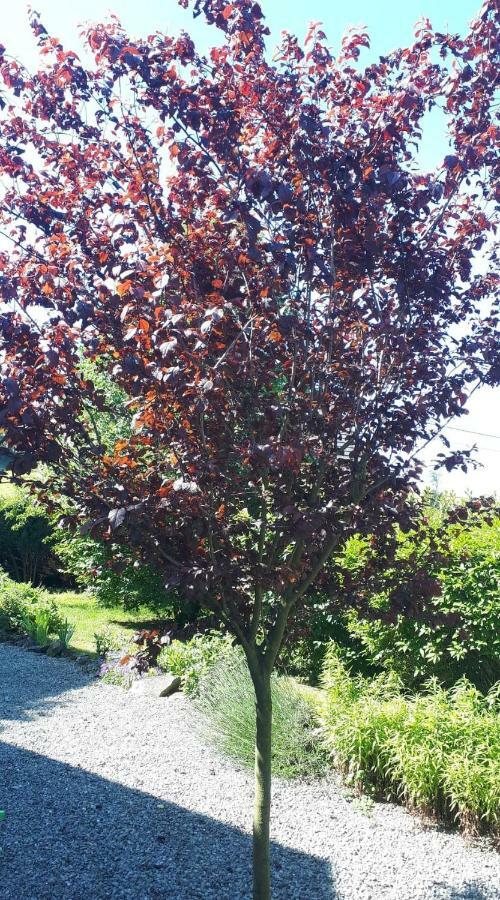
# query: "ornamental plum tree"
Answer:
x=248 y=249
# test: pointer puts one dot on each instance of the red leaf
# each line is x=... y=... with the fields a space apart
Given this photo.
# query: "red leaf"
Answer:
x=123 y=288
x=131 y=50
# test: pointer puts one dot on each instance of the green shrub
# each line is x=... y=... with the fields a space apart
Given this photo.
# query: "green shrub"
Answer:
x=22 y=604
x=25 y=532
x=303 y=654
x=107 y=639
x=191 y=660
x=226 y=699
x=459 y=634
x=454 y=550
x=439 y=751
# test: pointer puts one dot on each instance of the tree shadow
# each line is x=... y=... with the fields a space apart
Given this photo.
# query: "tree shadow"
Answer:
x=73 y=835
x=169 y=625
x=140 y=624
x=470 y=890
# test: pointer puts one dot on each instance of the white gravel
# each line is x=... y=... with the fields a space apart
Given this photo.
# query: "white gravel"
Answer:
x=113 y=796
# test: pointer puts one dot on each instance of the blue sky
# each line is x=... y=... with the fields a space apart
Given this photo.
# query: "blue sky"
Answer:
x=390 y=23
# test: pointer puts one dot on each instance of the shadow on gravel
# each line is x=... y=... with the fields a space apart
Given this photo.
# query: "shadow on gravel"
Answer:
x=470 y=891
x=31 y=691
x=72 y=835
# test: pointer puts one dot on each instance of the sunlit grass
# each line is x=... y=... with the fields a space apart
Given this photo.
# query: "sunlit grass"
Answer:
x=82 y=611
x=8 y=491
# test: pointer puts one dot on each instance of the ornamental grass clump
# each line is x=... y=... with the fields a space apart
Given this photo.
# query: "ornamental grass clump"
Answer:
x=473 y=785
x=227 y=702
x=358 y=722
x=438 y=751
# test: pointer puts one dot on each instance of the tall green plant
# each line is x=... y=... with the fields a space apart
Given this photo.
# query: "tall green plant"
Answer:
x=438 y=750
x=459 y=635
x=38 y=625
x=25 y=532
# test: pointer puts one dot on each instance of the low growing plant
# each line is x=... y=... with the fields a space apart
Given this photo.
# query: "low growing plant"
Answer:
x=21 y=605
x=191 y=660
x=105 y=640
x=226 y=699
x=121 y=676
x=438 y=751
x=65 y=632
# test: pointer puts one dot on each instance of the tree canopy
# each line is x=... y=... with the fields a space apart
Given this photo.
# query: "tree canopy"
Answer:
x=288 y=306
x=252 y=253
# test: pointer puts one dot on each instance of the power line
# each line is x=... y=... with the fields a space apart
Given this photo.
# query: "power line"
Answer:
x=482 y=449
x=468 y=431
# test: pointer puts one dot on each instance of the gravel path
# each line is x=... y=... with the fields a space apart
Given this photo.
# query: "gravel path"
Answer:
x=113 y=796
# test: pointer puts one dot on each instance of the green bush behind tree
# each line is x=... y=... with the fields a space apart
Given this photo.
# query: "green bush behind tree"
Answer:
x=460 y=634
x=436 y=750
x=131 y=584
x=35 y=551
x=25 y=538
x=21 y=604
x=453 y=633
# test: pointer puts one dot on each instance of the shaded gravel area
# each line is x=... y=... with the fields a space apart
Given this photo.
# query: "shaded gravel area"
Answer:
x=113 y=796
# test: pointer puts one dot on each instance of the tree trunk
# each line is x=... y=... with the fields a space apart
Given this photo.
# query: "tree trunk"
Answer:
x=262 y=807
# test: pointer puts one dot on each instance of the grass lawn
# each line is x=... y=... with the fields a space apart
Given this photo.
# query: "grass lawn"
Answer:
x=8 y=491
x=87 y=616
